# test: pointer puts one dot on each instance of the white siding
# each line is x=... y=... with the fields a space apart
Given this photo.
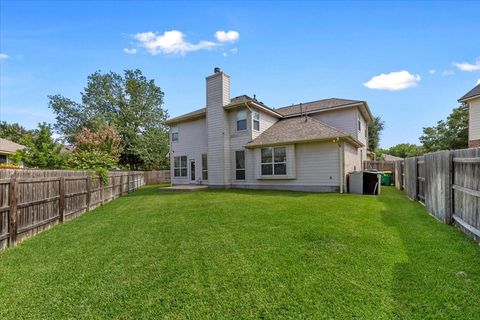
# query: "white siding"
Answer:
x=192 y=142
x=474 y=119
x=238 y=139
x=266 y=121
x=352 y=158
x=343 y=119
x=362 y=135
x=314 y=164
x=218 y=95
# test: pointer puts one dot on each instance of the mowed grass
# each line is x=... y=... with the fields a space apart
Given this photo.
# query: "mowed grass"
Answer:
x=245 y=254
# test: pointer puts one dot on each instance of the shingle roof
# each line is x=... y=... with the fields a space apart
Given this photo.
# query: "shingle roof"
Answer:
x=8 y=146
x=470 y=94
x=296 y=129
x=194 y=114
x=315 y=105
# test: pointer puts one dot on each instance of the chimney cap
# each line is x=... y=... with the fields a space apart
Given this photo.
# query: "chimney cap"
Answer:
x=216 y=70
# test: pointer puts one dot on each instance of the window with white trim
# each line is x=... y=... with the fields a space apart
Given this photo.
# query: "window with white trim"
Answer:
x=240 y=165
x=204 y=167
x=274 y=161
x=256 y=120
x=174 y=133
x=359 y=125
x=180 y=166
x=241 y=120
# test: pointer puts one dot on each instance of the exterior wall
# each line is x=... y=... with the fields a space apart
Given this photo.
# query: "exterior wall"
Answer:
x=238 y=139
x=218 y=95
x=316 y=168
x=266 y=121
x=362 y=134
x=352 y=158
x=474 y=122
x=192 y=142
x=343 y=119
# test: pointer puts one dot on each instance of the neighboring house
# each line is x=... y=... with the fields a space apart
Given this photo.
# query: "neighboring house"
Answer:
x=243 y=143
x=7 y=148
x=472 y=100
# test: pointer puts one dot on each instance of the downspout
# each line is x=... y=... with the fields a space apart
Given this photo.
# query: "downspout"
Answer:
x=341 y=160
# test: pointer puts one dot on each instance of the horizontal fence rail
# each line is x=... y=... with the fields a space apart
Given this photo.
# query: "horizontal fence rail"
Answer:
x=448 y=184
x=35 y=200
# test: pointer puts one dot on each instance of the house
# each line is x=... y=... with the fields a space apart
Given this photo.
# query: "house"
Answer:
x=472 y=100
x=243 y=143
x=7 y=148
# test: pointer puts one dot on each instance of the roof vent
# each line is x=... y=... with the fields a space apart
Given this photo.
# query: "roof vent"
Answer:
x=216 y=70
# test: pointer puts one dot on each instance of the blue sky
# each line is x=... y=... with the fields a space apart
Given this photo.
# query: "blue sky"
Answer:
x=410 y=61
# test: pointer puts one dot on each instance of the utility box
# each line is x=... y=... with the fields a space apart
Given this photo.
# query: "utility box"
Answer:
x=364 y=182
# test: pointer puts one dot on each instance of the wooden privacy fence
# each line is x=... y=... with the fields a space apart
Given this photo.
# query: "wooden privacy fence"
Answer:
x=381 y=166
x=32 y=201
x=448 y=184
x=157 y=177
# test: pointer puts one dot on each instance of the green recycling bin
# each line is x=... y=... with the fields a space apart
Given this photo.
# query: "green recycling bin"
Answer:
x=387 y=178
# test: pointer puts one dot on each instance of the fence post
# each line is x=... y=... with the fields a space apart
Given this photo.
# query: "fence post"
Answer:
x=61 y=201
x=102 y=191
x=415 y=178
x=12 y=214
x=128 y=182
x=450 y=201
x=89 y=191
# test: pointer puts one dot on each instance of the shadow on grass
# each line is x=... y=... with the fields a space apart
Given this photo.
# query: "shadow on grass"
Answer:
x=440 y=276
x=157 y=190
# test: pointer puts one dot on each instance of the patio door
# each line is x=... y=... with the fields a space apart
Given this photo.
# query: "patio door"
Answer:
x=192 y=170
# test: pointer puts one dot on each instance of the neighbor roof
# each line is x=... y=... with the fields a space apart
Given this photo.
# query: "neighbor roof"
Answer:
x=474 y=93
x=200 y=113
x=7 y=146
x=299 y=129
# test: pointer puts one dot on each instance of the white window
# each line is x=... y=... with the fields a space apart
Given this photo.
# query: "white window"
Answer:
x=274 y=161
x=241 y=120
x=174 y=133
x=240 y=165
x=204 y=167
x=180 y=166
x=256 y=120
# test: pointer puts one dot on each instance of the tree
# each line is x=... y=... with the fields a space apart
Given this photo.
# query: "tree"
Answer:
x=447 y=135
x=131 y=104
x=403 y=150
x=374 y=131
x=98 y=149
x=14 y=132
x=42 y=151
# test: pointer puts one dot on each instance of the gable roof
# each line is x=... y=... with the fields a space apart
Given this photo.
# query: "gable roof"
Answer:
x=325 y=105
x=299 y=129
x=474 y=93
x=7 y=146
x=200 y=113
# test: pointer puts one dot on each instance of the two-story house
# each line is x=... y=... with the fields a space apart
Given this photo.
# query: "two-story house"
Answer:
x=472 y=100
x=243 y=143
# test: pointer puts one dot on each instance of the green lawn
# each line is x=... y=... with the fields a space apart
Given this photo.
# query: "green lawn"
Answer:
x=245 y=254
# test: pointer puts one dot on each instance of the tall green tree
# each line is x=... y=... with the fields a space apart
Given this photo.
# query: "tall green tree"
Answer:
x=42 y=151
x=403 y=150
x=374 y=132
x=448 y=134
x=130 y=103
x=14 y=132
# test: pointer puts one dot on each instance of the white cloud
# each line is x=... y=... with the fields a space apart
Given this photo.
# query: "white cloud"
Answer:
x=224 y=54
x=170 y=42
x=3 y=56
x=478 y=81
x=393 y=81
x=227 y=36
x=432 y=71
x=469 y=67
x=447 y=73
x=130 y=51
x=234 y=50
